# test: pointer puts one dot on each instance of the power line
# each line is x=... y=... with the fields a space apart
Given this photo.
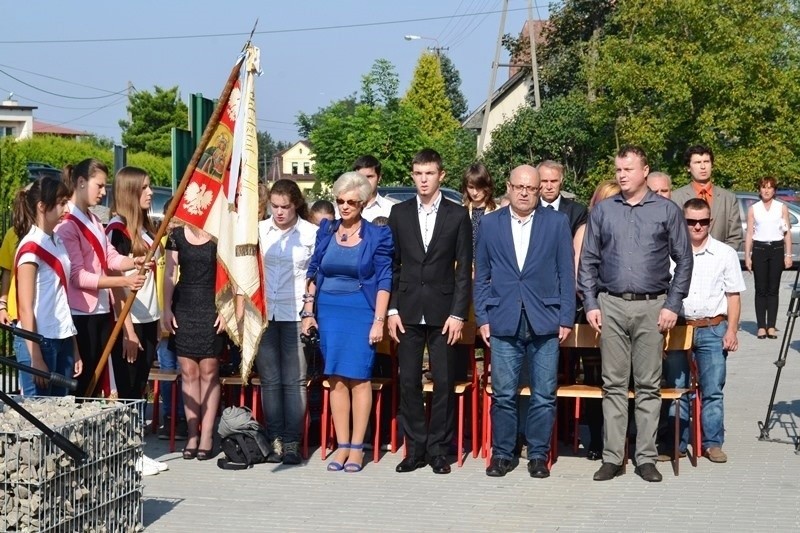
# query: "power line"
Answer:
x=458 y=27
x=468 y=31
x=441 y=35
x=115 y=102
x=264 y=32
x=27 y=98
x=56 y=79
x=275 y=121
x=61 y=95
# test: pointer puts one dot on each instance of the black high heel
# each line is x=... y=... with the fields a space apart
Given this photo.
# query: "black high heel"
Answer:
x=205 y=455
x=189 y=454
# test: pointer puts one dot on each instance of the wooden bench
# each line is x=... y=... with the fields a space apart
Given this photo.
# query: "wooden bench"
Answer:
x=678 y=338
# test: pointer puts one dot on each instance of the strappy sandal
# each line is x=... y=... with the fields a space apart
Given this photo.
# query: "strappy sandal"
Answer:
x=352 y=468
x=335 y=466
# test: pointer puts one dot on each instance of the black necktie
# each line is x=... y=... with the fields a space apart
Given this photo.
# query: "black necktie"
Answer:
x=550 y=206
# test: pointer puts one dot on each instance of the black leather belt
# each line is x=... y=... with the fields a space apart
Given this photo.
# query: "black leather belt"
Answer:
x=635 y=296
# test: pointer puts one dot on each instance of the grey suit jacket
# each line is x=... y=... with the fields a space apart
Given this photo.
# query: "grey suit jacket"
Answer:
x=726 y=219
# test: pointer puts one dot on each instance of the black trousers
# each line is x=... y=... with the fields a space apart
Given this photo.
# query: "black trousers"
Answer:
x=433 y=437
x=93 y=334
x=767 y=268
x=131 y=378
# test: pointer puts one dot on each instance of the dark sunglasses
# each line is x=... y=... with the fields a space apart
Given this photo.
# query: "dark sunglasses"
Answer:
x=351 y=203
x=701 y=221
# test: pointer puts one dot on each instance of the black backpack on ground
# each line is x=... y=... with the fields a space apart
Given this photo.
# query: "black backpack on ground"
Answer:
x=243 y=441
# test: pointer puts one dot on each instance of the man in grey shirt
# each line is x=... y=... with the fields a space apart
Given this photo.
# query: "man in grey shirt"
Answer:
x=628 y=293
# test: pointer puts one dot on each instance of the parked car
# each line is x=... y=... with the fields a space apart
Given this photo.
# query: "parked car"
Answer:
x=40 y=170
x=160 y=197
x=399 y=194
x=746 y=199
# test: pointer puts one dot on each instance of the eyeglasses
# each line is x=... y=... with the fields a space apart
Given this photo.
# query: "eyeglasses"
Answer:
x=351 y=203
x=527 y=188
x=696 y=221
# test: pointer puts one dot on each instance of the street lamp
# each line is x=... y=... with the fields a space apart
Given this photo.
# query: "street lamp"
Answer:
x=437 y=49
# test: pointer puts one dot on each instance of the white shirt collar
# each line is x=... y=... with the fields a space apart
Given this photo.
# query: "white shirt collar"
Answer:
x=555 y=203
x=271 y=225
x=436 y=203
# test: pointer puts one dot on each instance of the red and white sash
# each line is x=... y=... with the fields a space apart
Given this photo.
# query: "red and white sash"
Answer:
x=90 y=232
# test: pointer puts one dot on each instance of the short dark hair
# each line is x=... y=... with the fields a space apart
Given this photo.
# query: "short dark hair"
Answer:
x=323 y=206
x=696 y=204
x=367 y=161
x=427 y=156
x=629 y=149
x=697 y=149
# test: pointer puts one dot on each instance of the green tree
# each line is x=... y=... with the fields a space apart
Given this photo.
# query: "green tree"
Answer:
x=13 y=171
x=428 y=96
x=722 y=72
x=379 y=86
x=560 y=131
x=152 y=116
x=452 y=85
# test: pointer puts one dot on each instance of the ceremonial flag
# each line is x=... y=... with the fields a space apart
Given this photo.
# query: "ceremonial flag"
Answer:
x=221 y=198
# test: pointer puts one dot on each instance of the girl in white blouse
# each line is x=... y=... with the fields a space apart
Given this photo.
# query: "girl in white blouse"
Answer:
x=42 y=270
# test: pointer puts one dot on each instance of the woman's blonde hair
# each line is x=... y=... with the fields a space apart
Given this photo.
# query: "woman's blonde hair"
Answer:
x=128 y=185
x=605 y=189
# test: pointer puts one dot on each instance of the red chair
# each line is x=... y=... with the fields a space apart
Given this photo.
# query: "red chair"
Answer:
x=470 y=386
x=379 y=387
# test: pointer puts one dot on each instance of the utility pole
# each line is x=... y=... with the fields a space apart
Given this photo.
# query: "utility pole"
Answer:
x=488 y=106
x=537 y=103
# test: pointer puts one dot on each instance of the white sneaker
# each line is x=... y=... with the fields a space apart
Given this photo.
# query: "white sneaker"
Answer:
x=162 y=467
x=146 y=468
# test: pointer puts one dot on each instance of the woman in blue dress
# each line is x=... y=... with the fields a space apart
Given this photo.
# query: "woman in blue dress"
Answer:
x=349 y=280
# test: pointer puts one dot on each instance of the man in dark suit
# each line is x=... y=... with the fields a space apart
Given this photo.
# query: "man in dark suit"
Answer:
x=430 y=300
x=524 y=307
x=551 y=175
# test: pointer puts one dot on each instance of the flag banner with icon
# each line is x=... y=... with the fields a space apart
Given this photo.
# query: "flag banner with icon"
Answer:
x=221 y=198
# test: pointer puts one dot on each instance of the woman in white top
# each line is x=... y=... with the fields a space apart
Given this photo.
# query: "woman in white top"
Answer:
x=42 y=270
x=767 y=251
x=286 y=242
x=131 y=233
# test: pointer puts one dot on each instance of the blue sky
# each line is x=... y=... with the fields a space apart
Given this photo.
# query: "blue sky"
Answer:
x=303 y=69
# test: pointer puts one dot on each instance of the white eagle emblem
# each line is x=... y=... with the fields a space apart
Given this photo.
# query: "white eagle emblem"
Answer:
x=196 y=199
x=233 y=103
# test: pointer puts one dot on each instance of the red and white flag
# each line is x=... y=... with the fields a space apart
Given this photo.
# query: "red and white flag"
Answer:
x=222 y=199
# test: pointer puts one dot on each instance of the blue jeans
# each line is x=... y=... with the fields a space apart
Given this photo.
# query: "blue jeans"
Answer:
x=711 y=364
x=281 y=364
x=508 y=354
x=167 y=360
x=57 y=354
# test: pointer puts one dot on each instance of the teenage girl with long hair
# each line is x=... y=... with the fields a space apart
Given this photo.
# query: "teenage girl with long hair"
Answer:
x=131 y=233
x=96 y=266
x=42 y=268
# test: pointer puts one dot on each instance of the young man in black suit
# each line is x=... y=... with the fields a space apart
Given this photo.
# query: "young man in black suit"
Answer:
x=429 y=303
x=552 y=176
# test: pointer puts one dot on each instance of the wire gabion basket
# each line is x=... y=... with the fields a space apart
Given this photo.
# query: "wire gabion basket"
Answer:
x=43 y=489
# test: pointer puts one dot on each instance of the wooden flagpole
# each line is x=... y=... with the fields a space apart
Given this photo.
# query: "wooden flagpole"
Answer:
x=204 y=140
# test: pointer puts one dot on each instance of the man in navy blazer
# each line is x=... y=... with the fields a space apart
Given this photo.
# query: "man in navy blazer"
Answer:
x=524 y=307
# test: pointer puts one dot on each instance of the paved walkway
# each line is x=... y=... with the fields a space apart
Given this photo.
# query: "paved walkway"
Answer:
x=757 y=490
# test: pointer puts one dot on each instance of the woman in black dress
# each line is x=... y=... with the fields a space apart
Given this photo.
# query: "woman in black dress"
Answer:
x=190 y=314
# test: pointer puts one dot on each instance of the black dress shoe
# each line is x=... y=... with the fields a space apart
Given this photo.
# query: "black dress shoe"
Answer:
x=594 y=455
x=440 y=465
x=499 y=467
x=607 y=471
x=538 y=468
x=648 y=472
x=409 y=464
